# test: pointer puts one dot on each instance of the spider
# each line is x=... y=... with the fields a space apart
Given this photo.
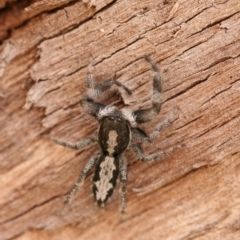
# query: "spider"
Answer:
x=118 y=130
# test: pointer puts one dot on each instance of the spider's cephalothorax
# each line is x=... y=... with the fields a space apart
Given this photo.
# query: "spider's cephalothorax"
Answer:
x=118 y=130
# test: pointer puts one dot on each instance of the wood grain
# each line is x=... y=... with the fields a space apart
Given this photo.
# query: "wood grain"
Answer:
x=193 y=193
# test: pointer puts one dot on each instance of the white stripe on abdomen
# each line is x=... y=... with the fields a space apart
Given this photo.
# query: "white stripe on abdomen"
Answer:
x=105 y=175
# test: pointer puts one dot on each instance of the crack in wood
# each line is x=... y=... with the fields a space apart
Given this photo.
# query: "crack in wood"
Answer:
x=215 y=95
x=216 y=23
x=30 y=209
x=190 y=87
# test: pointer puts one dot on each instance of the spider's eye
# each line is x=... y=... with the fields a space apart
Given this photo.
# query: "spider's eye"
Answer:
x=119 y=119
x=112 y=118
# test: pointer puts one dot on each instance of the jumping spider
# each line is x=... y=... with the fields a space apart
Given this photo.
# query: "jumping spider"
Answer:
x=117 y=131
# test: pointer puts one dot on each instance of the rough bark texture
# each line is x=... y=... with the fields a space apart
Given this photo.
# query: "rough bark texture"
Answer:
x=45 y=49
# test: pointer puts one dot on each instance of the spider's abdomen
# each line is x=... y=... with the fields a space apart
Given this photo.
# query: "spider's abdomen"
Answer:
x=105 y=178
x=114 y=136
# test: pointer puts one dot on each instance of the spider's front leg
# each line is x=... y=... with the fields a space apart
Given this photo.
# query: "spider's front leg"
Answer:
x=145 y=115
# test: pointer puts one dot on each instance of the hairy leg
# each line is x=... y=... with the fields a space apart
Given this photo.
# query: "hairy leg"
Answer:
x=145 y=115
x=81 y=144
x=140 y=136
x=80 y=180
x=139 y=152
x=123 y=183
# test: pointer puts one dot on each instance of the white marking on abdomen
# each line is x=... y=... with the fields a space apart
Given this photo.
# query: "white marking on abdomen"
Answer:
x=112 y=141
x=105 y=175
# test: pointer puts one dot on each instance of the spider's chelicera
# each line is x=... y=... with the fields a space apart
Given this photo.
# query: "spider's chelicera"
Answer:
x=118 y=130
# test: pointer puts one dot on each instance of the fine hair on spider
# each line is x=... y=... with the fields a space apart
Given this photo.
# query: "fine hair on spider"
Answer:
x=118 y=131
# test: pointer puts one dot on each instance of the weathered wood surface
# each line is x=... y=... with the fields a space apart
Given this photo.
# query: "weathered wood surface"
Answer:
x=194 y=193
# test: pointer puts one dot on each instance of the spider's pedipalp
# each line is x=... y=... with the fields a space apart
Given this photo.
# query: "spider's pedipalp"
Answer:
x=102 y=87
x=100 y=91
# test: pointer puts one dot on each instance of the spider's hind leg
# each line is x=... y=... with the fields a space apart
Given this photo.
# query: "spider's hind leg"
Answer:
x=80 y=180
x=123 y=183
